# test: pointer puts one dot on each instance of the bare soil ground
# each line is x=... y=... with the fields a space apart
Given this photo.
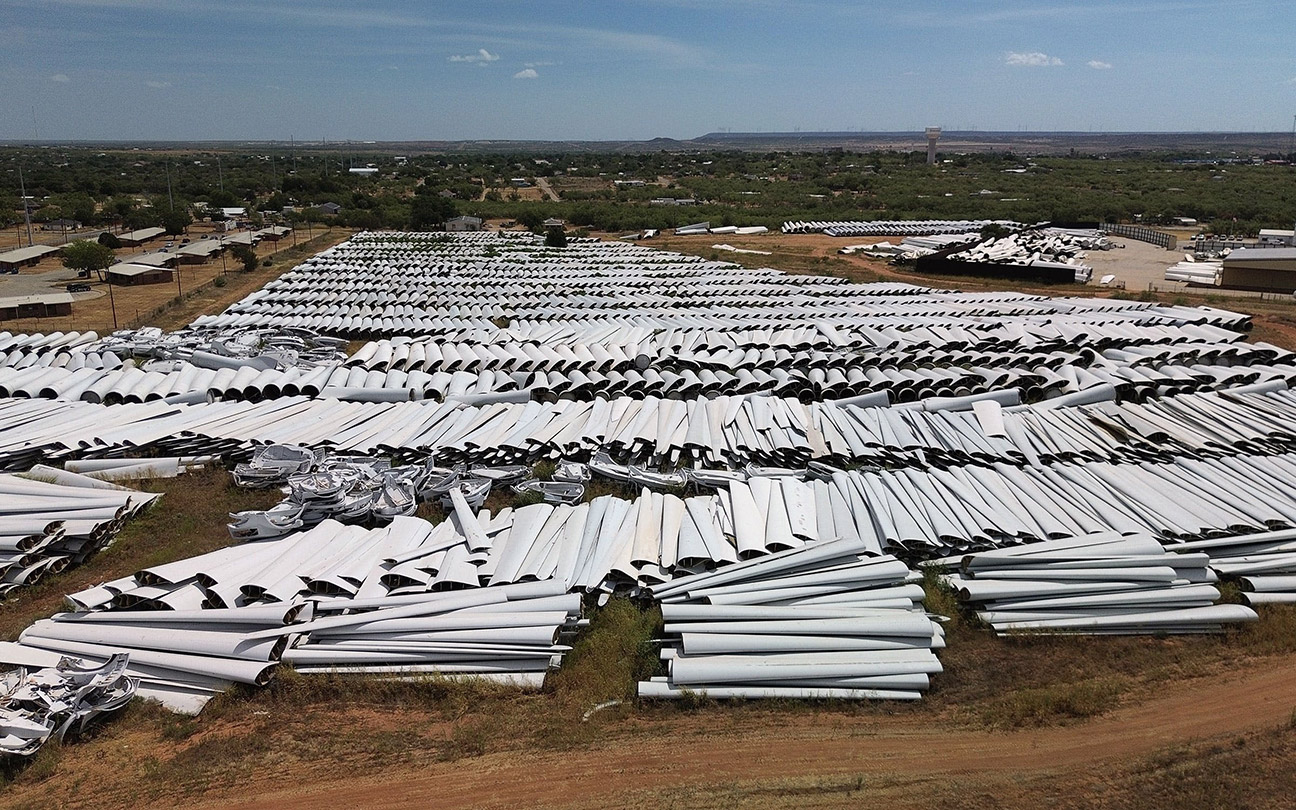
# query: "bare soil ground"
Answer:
x=787 y=761
x=371 y=755
x=529 y=193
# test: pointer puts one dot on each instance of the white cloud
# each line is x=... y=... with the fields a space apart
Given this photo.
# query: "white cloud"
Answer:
x=158 y=85
x=60 y=78
x=1097 y=65
x=1031 y=59
x=526 y=73
x=482 y=57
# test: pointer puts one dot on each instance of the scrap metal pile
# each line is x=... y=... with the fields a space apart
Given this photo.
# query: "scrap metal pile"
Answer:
x=1043 y=247
x=357 y=489
x=288 y=348
x=49 y=697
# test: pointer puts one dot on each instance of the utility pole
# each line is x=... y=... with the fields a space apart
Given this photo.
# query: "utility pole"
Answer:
x=112 y=303
x=22 y=189
x=220 y=175
x=170 y=196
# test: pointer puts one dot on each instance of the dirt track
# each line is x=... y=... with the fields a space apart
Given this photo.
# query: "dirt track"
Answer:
x=911 y=761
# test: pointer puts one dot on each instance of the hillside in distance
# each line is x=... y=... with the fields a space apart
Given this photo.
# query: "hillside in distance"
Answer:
x=1220 y=144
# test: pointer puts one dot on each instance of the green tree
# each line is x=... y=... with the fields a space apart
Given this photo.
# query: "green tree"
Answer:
x=138 y=218
x=430 y=212
x=109 y=240
x=555 y=237
x=85 y=256
x=177 y=221
x=994 y=230
x=246 y=256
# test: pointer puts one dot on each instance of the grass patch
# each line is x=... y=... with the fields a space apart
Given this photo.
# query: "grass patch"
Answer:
x=1274 y=634
x=526 y=498
x=599 y=486
x=1251 y=770
x=611 y=656
x=1051 y=704
x=431 y=511
x=42 y=765
x=941 y=599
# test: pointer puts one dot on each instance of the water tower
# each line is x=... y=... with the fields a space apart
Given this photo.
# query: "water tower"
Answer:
x=933 y=135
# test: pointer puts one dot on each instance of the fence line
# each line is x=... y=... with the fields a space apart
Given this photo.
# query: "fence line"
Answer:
x=1142 y=234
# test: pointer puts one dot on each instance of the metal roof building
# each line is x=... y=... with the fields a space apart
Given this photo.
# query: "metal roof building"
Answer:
x=35 y=306
x=25 y=257
x=274 y=233
x=155 y=259
x=130 y=274
x=141 y=236
x=1264 y=269
x=245 y=238
x=463 y=223
x=199 y=251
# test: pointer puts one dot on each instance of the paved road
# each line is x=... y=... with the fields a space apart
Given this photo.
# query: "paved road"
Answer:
x=543 y=185
x=47 y=282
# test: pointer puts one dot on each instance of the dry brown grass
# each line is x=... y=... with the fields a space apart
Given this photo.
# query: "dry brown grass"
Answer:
x=1246 y=771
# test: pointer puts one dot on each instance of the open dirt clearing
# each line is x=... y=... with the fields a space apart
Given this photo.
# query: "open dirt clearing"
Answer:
x=706 y=760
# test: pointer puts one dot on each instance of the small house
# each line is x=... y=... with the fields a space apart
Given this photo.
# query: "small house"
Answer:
x=464 y=224
x=62 y=225
x=128 y=274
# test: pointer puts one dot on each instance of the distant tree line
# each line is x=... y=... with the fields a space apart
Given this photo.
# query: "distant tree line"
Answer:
x=129 y=189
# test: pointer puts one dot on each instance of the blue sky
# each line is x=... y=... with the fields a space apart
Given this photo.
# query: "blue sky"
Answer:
x=533 y=69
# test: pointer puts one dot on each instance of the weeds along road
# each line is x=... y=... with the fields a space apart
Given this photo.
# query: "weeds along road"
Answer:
x=811 y=759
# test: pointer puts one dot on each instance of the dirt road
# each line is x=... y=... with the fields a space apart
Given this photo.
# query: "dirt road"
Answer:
x=910 y=761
